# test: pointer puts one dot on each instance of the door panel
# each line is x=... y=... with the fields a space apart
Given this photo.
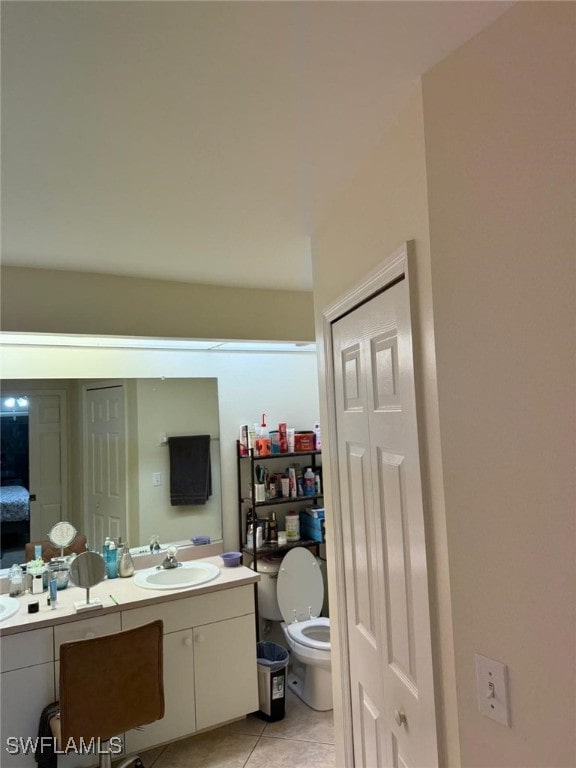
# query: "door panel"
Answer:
x=105 y=482
x=47 y=449
x=383 y=530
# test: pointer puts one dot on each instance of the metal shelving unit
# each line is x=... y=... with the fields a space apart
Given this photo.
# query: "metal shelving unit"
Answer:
x=247 y=501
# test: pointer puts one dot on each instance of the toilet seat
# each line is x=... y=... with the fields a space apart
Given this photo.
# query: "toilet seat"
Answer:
x=300 y=586
x=309 y=633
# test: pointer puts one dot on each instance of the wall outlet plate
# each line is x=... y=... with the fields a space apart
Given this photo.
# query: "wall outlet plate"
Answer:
x=492 y=685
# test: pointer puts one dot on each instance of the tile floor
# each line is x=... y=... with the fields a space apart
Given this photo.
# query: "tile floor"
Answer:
x=303 y=739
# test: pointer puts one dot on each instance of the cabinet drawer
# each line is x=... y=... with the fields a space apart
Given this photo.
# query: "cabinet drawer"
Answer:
x=194 y=611
x=26 y=649
x=85 y=628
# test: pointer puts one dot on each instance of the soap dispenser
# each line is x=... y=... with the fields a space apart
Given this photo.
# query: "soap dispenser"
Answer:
x=126 y=567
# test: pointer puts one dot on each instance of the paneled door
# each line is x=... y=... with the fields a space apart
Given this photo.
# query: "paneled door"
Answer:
x=105 y=463
x=385 y=572
x=47 y=461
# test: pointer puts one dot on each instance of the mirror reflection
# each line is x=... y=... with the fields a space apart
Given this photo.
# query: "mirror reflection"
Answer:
x=95 y=452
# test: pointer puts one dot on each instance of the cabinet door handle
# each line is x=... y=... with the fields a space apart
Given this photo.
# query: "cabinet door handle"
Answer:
x=89 y=635
x=200 y=638
x=188 y=642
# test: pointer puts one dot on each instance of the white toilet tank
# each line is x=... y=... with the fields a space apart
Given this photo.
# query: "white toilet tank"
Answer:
x=267 y=599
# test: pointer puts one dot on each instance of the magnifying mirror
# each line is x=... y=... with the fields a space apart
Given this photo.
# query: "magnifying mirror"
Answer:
x=61 y=535
x=87 y=570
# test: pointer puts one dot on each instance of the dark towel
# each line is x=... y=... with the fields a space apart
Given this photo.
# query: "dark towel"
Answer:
x=45 y=755
x=190 y=473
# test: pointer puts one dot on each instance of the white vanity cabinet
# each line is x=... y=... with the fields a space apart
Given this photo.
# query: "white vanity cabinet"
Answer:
x=27 y=686
x=210 y=673
x=178 y=717
x=225 y=674
x=209 y=666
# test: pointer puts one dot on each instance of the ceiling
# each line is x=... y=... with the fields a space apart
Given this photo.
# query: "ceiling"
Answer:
x=200 y=141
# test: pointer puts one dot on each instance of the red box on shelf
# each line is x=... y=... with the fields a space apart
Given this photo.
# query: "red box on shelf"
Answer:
x=303 y=441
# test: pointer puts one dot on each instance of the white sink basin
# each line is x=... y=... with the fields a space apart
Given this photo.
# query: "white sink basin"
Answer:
x=189 y=574
x=8 y=607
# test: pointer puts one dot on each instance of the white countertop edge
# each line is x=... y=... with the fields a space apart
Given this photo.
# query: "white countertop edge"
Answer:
x=124 y=591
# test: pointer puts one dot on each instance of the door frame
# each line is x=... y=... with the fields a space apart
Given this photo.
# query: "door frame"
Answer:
x=394 y=267
x=30 y=388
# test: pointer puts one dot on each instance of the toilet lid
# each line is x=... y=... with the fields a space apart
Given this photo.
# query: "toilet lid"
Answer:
x=300 y=586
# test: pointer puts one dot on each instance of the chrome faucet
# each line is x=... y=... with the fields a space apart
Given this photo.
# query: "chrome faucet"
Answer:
x=170 y=560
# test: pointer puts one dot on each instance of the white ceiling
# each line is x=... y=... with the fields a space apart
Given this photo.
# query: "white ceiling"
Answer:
x=199 y=141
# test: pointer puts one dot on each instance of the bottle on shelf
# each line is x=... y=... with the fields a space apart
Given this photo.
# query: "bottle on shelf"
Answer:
x=273 y=529
x=292 y=526
x=309 y=482
x=317 y=436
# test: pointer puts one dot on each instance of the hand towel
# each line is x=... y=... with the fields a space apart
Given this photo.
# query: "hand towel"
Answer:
x=190 y=472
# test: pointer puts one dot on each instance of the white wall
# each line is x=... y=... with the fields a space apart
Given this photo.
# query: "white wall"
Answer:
x=384 y=206
x=479 y=170
x=282 y=385
x=500 y=127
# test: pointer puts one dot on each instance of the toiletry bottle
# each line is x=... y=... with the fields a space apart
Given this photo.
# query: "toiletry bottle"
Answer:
x=309 y=483
x=263 y=427
x=126 y=567
x=37 y=583
x=53 y=587
x=112 y=561
x=317 y=484
x=250 y=536
x=317 y=436
x=273 y=529
x=259 y=540
x=292 y=526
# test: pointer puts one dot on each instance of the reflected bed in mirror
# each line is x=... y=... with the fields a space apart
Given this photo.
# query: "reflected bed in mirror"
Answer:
x=97 y=455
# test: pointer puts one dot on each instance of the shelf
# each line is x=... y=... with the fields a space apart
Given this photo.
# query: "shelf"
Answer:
x=281 y=455
x=270 y=549
x=273 y=502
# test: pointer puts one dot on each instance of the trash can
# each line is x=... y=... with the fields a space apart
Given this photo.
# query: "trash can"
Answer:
x=272 y=661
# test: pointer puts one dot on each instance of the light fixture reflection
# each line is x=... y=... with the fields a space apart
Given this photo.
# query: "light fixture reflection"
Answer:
x=15 y=406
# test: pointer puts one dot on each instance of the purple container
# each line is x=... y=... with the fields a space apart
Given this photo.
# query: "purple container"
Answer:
x=231 y=559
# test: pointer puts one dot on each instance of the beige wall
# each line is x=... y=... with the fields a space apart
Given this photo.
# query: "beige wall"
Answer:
x=500 y=124
x=170 y=407
x=491 y=148
x=49 y=301
x=383 y=207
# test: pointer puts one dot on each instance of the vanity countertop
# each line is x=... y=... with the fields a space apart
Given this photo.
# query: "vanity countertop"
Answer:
x=126 y=594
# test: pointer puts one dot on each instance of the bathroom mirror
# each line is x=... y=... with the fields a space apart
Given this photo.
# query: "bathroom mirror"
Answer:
x=87 y=570
x=63 y=453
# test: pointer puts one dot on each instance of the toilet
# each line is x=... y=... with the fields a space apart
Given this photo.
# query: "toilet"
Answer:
x=292 y=590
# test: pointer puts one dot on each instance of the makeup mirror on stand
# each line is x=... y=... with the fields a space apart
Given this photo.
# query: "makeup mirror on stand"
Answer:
x=87 y=570
x=62 y=535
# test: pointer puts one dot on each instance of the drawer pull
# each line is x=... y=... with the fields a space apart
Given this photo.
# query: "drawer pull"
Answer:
x=89 y=635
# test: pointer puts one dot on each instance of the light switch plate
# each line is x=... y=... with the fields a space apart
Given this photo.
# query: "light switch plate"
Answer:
x=156 y=478
x=492 y=685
